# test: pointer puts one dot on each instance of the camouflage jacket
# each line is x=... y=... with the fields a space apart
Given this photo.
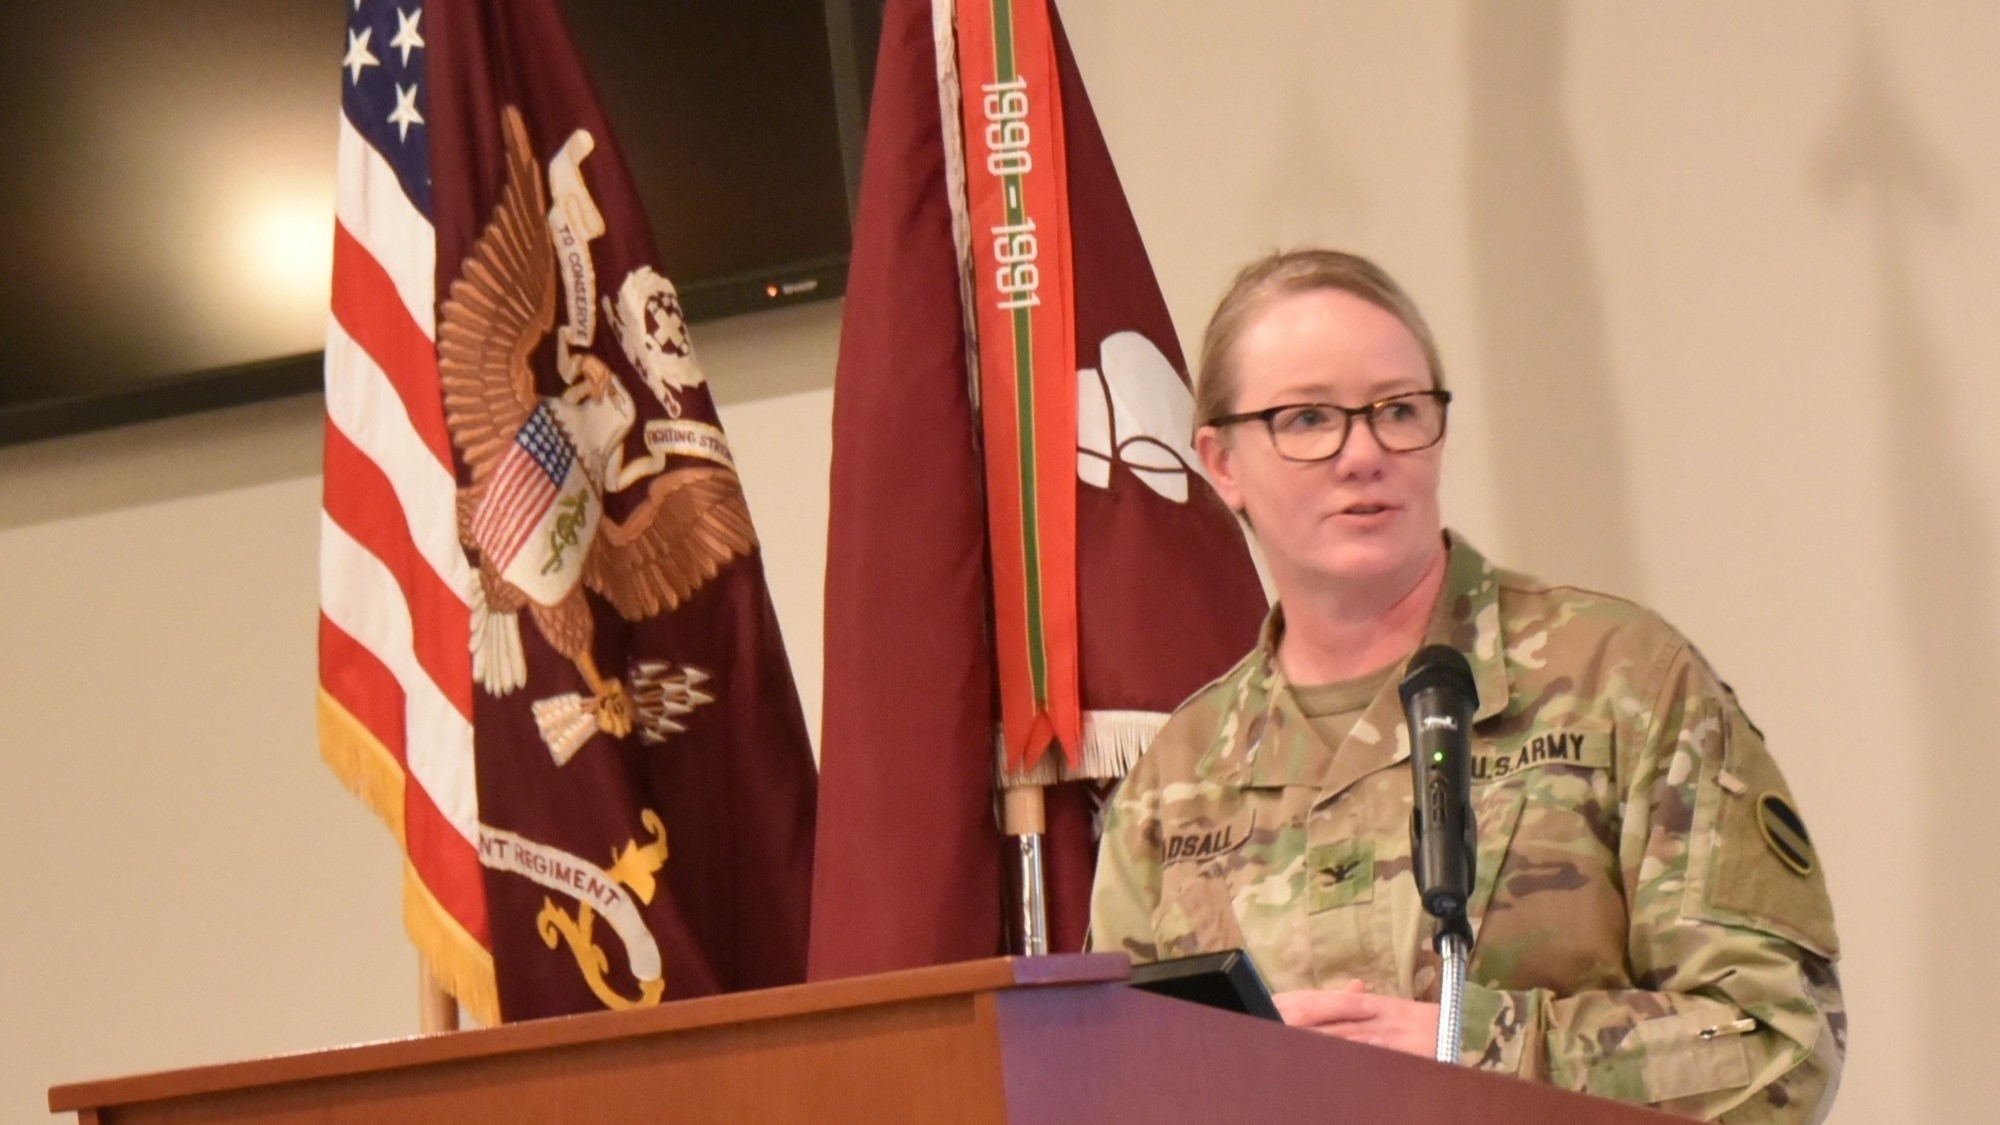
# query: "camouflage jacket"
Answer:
x=1650 y=921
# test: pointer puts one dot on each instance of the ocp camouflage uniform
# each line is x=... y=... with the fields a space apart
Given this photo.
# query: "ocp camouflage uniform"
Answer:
x=1650 y=922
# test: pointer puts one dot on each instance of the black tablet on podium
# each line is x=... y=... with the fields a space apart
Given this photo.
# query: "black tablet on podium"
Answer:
x=1227 y=980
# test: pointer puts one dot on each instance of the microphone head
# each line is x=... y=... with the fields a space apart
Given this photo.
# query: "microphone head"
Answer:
x=1439 y=701
x=1437 y=666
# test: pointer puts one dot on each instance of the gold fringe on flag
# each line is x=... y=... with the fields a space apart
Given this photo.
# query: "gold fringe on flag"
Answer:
x=361 y=763
x=457 y=961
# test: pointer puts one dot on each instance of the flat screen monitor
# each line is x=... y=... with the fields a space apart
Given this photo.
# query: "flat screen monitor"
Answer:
x=168 y=209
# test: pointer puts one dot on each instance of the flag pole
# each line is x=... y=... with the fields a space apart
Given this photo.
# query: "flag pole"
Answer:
x=436 y=1009
x=1024 y=818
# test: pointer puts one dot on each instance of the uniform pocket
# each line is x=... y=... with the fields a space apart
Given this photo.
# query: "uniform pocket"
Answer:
x=1678 y=1057
x=1197 y=911
x=1540 y=817
x=1750 y=860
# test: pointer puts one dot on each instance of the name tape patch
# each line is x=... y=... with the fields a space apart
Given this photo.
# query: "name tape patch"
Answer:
x=1587 y=748
x=1193 y=847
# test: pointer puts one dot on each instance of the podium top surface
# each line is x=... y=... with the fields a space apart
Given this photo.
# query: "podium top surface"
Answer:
x=968 y=977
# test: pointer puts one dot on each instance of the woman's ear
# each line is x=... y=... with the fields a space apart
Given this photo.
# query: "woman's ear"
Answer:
x=1218 y=460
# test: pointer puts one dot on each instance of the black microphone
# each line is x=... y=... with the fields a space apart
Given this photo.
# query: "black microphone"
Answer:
x=1439 y=699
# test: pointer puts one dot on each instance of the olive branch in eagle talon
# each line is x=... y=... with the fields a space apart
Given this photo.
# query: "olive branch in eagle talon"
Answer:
x=691 y=522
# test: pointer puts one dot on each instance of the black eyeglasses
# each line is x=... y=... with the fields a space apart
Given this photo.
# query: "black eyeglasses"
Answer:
x=1315 y=431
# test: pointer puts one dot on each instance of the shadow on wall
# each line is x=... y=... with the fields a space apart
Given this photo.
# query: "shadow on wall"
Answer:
x=1557 y=447
x=1874 y=160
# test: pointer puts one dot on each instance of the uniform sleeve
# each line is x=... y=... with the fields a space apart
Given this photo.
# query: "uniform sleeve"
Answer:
x=1739 y=1017
x=1127 y=885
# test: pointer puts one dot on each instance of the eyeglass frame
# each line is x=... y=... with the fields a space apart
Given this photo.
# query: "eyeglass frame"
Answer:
x=1269 y=415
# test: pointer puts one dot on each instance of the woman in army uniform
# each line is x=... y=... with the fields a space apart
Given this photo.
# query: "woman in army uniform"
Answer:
x=1650 y=920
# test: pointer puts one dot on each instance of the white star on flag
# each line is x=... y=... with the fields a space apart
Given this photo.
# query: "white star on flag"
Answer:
x=407 y=38
x=405 y=114
x=358 y=56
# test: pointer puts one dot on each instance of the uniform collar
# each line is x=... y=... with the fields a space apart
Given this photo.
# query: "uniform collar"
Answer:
x=1468 y=619
x=1267 y=741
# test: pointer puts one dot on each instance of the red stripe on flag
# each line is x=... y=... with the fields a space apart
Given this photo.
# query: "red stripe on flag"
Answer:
x=361 y=500
x=363 y=685
x=366 y=304
x=446 y=862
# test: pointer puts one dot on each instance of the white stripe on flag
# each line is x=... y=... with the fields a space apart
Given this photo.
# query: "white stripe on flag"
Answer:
x=362 y=404
x=359 y=594
x=370 y=203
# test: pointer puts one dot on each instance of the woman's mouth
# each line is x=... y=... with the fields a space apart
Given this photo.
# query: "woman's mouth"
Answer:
x=1365 y=516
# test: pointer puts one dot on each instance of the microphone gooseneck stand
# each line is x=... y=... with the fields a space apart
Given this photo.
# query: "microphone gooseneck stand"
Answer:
x=1454 y=947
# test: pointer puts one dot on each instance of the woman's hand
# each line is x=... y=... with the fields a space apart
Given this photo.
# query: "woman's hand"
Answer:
x=1354 y=1013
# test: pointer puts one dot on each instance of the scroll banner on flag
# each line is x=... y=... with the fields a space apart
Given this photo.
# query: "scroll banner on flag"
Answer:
x=547 y=655
x=1014 y=495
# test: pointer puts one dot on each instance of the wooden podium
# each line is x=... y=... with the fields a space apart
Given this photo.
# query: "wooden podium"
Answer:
x=1050 y=1039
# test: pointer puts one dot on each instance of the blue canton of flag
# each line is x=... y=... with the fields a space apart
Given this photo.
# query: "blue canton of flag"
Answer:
x=384 y=94
x=544 y=441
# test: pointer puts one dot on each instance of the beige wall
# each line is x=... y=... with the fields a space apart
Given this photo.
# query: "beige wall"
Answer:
x=1715 y=283
x=185 y=883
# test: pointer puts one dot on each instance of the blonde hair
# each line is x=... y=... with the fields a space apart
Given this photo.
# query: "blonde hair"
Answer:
x=1281 y=274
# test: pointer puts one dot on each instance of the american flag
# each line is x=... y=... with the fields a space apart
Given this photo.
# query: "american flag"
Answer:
x=395 y=700
x=524 y=486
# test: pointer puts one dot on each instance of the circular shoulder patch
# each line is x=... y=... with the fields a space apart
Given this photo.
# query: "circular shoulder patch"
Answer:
x=1785 y=832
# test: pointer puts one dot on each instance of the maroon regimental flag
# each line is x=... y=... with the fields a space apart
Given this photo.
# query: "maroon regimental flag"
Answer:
x=948 y=535
x=548 y=655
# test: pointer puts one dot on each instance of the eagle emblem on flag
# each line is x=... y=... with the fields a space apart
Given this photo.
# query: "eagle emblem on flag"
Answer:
x=532 y=519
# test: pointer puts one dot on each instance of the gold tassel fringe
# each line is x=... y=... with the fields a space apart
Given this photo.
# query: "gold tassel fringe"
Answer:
x=457 y=961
